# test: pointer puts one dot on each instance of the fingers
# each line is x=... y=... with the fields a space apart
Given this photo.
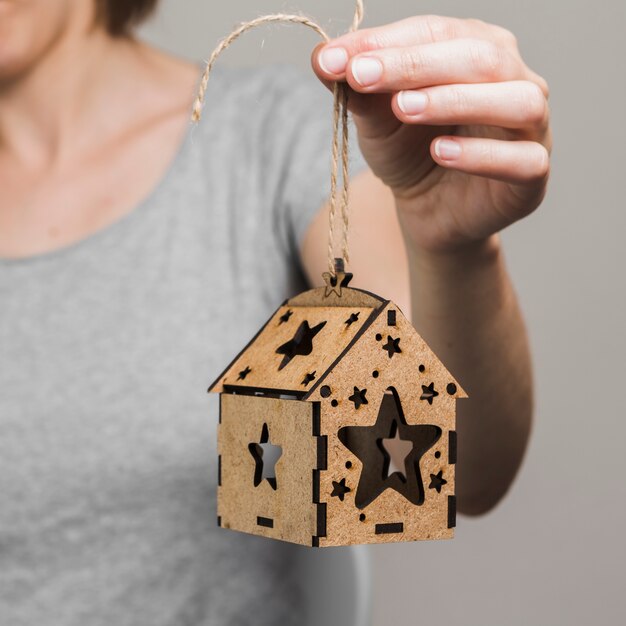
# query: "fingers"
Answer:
x=507 y=161
x=513 y=105
x=417 y=30
x=414 y=67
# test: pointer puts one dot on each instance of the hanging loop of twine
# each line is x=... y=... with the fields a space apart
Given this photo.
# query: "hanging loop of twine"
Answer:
x=340 y=140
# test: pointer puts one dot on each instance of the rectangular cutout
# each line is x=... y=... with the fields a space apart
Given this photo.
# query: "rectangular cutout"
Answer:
x=451 y=511
x=267 y=522
x=322 y=443
x=219 y=470
x=219 y=520
x=321 y=520
x=316 y=427
x=452 y=447
x=316 y=486
x=391 y=318
x=387 y=529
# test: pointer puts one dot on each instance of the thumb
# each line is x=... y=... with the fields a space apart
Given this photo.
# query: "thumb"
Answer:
x=372 y=113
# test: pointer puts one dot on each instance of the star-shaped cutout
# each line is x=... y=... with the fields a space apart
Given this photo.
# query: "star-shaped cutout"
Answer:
x=366 y=442
x=265 y=469
x=301 y=344
x=285 y=317
x=392 y=346
x=340 y=489
x=244 y=373
x=429 y=392
x=308 y=378
x=437 y=481
x=354 y=317
x=335 y=282
x=358 y=397
x=401 y=449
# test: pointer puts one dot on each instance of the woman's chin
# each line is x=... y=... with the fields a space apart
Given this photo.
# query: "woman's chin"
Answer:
x=20 y=43
x=28 y=29
x=15 y=59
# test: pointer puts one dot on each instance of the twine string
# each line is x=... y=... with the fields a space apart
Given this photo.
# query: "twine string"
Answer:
x=340 y=139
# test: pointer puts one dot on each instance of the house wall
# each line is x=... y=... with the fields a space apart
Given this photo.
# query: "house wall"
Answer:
x=369 y=369
x=553 y=551
x=287 y=512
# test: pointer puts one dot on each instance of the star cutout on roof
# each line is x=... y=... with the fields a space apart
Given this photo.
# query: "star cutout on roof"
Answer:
x=301 y=344
x=437 y=481
x=358 y=397
x=340 y=489
x=336 y=282
x=285 y=317
x=308 y=378
x=244 y=373
x=366 y=442
x=392 y=346
x=265 y=469
x=429 y=392
x=354 y=317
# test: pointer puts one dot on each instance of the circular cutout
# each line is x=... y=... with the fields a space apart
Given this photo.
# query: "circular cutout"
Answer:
x=348 y=464
x=325 y=391
x=375 y=373
x=437 y=454
x=334 y=403
x=362 y=517
x=379 y=337
x=422 y=368
x=451 y=389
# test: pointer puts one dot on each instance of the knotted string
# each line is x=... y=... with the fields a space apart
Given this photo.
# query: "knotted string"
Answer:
x=340 y=141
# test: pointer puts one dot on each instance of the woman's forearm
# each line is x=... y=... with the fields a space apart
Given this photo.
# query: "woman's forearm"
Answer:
x=464 y=306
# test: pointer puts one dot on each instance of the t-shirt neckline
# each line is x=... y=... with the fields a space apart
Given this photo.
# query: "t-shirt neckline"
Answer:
x=123 y=222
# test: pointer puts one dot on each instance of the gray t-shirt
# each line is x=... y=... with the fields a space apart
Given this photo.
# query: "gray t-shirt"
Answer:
x=107 y=435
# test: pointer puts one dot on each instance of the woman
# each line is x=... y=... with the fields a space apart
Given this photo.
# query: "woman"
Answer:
x=138 y=255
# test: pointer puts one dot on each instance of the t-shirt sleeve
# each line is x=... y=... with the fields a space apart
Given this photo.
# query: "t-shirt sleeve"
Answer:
x=297 y=140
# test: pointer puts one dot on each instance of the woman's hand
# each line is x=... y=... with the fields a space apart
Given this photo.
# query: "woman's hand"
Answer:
x=451 y=119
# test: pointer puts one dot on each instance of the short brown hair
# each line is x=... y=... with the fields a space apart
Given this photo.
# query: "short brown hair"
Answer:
x=119 y=16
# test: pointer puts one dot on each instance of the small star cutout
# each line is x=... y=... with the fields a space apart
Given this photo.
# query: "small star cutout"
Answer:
x=437 y=481
x=402 y=447
x=428 y=393
x=244 y=373
x=265 y=469
x=358 y=397
x=392 y=346
x=340 y=489
x=353 y=318
x=301 y=344
x=308 y=378
x=335 y=282
x=285 y=317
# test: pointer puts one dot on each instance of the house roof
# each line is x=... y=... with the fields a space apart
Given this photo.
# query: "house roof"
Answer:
x=301 y=343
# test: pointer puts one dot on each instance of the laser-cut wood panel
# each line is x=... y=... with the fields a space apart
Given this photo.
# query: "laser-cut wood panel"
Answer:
x=369 y=366
x=260 y=365
x=286 y=512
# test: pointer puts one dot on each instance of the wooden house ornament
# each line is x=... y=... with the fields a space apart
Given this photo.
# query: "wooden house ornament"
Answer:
x=333 y=375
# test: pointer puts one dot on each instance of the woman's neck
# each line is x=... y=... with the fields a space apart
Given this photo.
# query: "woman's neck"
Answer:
x=85 y=136
x=55 y=108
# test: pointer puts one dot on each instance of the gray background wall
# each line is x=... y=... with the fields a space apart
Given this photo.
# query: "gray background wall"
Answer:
x=554 y=551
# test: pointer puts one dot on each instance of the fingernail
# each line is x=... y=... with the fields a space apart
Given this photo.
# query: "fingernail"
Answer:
x=412 y=102
x=447 y=150
x=333 y=60
x=367 y=71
